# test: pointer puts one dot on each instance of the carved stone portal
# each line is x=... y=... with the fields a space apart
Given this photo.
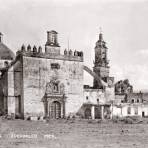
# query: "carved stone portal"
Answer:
x=54 y=99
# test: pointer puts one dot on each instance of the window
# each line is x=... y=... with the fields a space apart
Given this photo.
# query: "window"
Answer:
x=97 y=100
x=55 y=87
x=55 y=66
x=129 y=110
x=86 y=97
x=52 y=38
x=137 y=100
x=143 y=114
x=132 y=100
x=6 y=63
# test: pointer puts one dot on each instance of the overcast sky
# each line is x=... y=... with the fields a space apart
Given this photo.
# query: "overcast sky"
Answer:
x=124 y=24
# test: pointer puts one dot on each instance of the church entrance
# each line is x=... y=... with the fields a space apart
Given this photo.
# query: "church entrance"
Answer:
x=55 y=110
x=54 y=99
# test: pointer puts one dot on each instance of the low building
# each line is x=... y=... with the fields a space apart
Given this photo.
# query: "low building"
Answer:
x=129 y=103
x=128 y=109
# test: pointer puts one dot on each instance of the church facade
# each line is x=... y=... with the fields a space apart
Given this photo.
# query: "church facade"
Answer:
x=44 y=83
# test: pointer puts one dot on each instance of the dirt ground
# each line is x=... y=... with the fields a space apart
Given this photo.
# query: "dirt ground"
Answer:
x=72 y=134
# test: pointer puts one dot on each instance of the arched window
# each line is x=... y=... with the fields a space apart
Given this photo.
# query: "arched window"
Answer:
x=56 y=87
x=97 y=100
x=132 y=100
x=52 y=38
x=86 y=97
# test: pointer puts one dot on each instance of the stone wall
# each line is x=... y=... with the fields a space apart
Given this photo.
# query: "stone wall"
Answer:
x=15 y=89
x=11 y=96
x=136 y=109
x=94 y=96
x=37 y=72
x=3 y=92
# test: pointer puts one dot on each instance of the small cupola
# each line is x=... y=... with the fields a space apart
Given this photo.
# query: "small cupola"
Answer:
x=52 y=38
x=52 y=45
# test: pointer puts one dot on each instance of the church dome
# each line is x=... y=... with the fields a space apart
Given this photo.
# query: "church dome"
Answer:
x=5 y=52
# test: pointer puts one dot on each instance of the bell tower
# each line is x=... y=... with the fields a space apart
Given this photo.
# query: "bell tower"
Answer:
x=52 y=45
x=101 y=64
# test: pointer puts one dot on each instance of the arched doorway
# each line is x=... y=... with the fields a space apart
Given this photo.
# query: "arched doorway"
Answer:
x=143 y=114
x=55 y=110
x=98 y=112
x=87 y=113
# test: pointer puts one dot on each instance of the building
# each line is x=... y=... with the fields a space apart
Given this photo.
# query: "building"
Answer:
x=46 y=83
x=43 y=82
x=98 y=99
x=129 y=103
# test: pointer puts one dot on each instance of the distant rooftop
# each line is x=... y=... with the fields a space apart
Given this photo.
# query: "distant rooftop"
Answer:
x=5 y=52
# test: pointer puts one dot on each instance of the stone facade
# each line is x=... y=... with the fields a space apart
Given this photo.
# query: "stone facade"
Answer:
x=95 y=101
x=37 y=73
x=46 y=83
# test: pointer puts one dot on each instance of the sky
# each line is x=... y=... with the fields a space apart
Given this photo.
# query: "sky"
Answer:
x=124 y=25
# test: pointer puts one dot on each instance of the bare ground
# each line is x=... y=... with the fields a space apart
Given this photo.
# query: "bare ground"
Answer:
x=72 y=134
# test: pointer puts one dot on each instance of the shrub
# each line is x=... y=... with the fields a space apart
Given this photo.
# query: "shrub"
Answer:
x=115 y=119
x=128 y=120
x=136 y=119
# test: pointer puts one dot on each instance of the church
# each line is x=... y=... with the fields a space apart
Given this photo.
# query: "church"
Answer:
x=45 y=83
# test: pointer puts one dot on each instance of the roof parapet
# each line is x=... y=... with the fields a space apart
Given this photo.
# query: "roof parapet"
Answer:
x=35 y=51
